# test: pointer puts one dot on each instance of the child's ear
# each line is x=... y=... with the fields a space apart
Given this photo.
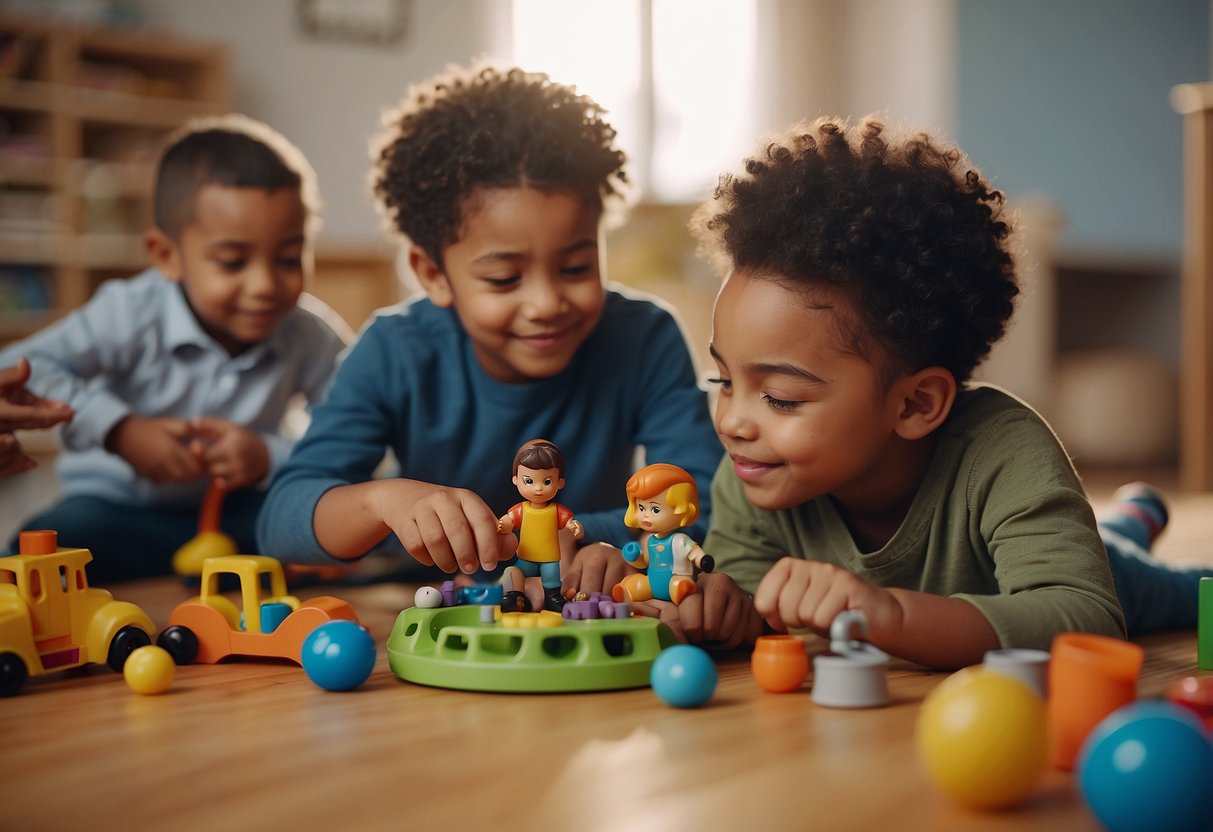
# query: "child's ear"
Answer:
x=163 y=253
x=432 y=279
x=926 y=399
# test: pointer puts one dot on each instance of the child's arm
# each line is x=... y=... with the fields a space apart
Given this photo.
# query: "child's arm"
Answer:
x=22 y=410
x=926 y=629
x=451 y=528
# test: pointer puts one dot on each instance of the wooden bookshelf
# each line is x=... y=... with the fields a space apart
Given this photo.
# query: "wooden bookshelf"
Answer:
x=83 y=113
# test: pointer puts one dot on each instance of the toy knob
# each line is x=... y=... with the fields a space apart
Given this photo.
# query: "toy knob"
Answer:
x=38 y=542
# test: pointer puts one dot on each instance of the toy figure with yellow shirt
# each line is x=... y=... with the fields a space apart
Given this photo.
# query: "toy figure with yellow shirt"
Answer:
x=538 y=476
x=662 y=499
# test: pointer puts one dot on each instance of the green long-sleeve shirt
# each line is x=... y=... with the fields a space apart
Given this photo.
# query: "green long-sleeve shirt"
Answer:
x=1000 y=521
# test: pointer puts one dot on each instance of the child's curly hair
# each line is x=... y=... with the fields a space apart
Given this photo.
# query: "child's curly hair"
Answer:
x=907 y=228
x=482 y=127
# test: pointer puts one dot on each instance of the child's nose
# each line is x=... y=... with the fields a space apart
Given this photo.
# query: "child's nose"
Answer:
x=544 y=298
x=733 y=420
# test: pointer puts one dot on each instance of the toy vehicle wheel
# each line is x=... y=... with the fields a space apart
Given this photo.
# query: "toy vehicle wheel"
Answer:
x=13 y=673
x=180 y=642
x=126 y=641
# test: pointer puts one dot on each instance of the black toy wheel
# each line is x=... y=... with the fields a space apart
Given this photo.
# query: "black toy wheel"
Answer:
x=13 y=674
x=180 y=642
x=126 y=641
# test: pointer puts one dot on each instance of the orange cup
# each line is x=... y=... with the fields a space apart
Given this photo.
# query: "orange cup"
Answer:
x=779 y=663
x=1090 y=676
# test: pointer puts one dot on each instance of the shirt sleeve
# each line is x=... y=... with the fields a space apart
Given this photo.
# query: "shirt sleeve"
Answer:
x=1040 y=532
x=70 y=358
x=743 y=540
x=346 y=440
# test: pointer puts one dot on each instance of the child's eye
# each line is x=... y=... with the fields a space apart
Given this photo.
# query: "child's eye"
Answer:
x=292 y=263
x=655 y=510
x=528 y=481
x=232 y=266
x=725 y=384
x=547 y=482
x=575 y=271
x=506 y=282
x=780 y=404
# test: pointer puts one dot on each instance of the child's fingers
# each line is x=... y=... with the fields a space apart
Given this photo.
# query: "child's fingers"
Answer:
x=14 y=376
x=589 y=570
x=434 y=538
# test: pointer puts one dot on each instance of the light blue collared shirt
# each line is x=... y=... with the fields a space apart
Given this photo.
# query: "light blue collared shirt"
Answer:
x=136 y=347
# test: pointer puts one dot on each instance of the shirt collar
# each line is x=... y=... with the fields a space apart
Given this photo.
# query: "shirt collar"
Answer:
x=181 y=329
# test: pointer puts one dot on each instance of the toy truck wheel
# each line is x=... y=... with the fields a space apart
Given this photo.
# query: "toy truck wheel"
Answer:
x=180 y=642
x=126 y=641
x=13 y=673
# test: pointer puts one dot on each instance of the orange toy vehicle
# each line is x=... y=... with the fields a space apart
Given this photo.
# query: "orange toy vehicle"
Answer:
x=210 y=628
x=50 y=619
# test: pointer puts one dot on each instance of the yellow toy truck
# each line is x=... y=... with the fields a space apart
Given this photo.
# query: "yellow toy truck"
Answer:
x=50 y=619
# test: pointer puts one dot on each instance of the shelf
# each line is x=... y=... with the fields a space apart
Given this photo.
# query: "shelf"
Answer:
x=14 y=327
x=35 y=96
x=35 y=173
x=107 y=107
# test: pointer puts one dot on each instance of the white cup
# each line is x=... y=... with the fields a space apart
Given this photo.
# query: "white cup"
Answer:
x=1028 y=666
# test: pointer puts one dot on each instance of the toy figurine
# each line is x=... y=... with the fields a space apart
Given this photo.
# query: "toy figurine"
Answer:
x=662 y=498
x=538 y=475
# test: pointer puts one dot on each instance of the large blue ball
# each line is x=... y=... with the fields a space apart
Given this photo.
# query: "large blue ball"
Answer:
x=1149 y=766
x=683 y=676
x=339 y=655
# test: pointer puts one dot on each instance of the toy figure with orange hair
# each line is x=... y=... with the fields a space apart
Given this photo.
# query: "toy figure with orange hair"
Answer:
x=662 y=498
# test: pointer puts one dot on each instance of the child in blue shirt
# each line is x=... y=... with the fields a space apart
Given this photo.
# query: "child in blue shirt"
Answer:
x=183 y=373
x=499 y=181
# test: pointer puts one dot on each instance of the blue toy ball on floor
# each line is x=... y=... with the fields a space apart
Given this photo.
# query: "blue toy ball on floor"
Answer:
x=339 y=655
x=1149 y=766
x=683 y=676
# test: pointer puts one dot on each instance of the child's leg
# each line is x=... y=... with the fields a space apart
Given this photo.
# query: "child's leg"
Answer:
x=1154 y=595
x=127 y=541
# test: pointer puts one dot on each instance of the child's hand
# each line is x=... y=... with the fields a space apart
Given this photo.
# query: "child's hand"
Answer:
x=13 y=458
x=157 y=449
x=22 y=410
x=596 y=567
x=808 y=593
x=451 y=528
x=234 y=456
x=719 y=613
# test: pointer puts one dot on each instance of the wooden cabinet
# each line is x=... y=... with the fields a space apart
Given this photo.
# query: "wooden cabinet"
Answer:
x=83 y=115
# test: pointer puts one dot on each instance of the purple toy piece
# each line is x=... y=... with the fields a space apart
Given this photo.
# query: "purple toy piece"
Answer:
x=448 y=593
x=606 y=608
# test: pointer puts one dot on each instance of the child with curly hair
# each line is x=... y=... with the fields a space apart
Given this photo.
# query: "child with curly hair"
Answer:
x=867 y=276
x=499 y=181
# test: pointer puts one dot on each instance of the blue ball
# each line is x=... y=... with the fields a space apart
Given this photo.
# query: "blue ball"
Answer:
x=339 y=655
x=683 y=676
x=1148 y=766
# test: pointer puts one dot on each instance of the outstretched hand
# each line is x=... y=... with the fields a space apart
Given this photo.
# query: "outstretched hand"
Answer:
x=22 y=410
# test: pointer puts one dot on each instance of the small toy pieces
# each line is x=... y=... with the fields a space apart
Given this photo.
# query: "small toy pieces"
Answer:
x=584 y=607
x=1149 y=767
x=339 y=655
x=539 y=475
x=210 y=542
x=427 y=597
x=50 y=619
x=683 y=676
x=662 y=498
x=212 y=628
x=1204 y=626
x=853 y=673
x=1196 y=694
x=982 y=737
x=450 y=647
x=779 y=663
x=149 y=670
x=1090 y=676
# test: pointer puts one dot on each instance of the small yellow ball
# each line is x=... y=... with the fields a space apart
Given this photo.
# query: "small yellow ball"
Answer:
x=149 y=670
x=983 y=738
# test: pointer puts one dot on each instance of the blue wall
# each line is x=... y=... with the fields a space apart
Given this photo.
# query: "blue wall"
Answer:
x=1070 y=98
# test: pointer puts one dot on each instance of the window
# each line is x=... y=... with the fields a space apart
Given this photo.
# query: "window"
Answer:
x=677 y=78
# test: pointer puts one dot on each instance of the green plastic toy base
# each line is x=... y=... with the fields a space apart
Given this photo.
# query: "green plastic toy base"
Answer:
x=449 y=647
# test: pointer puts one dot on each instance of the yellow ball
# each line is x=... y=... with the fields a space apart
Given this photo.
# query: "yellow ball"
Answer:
x=149 y=670
x=983 y=738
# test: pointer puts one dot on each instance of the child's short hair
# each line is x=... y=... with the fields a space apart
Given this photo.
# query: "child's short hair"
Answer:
x=907 y=228
x=656 y=479
x=231 y=150
x=539 y=454
x=482 y=127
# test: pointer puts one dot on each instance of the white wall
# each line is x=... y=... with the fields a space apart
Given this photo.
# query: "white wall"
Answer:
x=326 y=95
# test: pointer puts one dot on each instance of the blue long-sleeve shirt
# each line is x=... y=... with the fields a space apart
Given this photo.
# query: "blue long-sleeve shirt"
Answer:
x=412 y=384
x=136 y=347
